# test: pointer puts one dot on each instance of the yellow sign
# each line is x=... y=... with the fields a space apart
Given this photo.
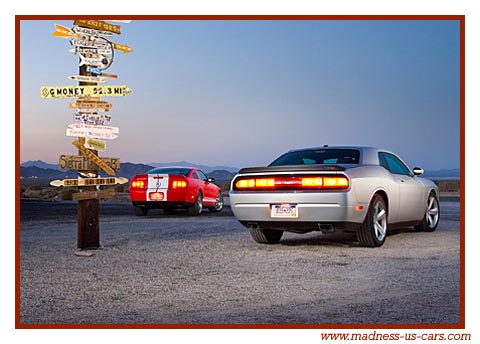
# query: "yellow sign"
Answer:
x=90 y=104
x=96 y=144
x=94 y=158
x=83 y=91
x=123 y=48
x=65 y=32
x=98 y=25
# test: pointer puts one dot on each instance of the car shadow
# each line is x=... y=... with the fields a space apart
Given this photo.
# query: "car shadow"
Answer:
x=339 y=239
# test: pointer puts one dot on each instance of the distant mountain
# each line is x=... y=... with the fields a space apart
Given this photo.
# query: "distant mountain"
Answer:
x=38 y=175
x=41 y=172
x=445 y=173
x=128 y=169
x=129 y=166
x=204 y=168
x=40 y=163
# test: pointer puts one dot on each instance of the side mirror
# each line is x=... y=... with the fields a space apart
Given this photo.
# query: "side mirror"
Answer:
x=210 y=180
x=418 y=171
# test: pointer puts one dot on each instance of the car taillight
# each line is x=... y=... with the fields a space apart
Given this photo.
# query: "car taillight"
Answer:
x=139 y=182
x=177 y=182
x=291 y=183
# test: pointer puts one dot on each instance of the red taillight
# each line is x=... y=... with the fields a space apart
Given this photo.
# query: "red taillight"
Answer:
x=291 y=183
x=177 y=182
x=139 y=182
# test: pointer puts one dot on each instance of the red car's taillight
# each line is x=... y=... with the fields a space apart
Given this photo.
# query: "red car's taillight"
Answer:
x=139 y=182
x=291 y=183
x=177 y=182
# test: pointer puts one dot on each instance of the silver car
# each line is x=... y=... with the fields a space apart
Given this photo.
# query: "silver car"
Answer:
x=359 y=189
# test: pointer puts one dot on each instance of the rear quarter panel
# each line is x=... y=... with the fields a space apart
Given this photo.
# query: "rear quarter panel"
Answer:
x=368 y=180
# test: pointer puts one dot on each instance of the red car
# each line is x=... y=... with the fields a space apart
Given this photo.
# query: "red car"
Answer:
x=171 y=188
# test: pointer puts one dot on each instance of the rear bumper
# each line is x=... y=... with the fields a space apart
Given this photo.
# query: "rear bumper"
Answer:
x=161 y=205
x=338 y=209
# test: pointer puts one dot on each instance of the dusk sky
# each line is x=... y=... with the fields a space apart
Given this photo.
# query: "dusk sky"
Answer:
x=240 y=93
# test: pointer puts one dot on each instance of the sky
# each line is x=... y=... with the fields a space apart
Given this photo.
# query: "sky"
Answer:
x=241 y=93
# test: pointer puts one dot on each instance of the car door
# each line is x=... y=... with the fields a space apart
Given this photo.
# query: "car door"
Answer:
x=210 y=189
x=410 y=189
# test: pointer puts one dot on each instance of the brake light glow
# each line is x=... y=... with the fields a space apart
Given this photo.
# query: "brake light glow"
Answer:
x=292 y=183
x=177 y=184
x=139 y=182
x=265 y=183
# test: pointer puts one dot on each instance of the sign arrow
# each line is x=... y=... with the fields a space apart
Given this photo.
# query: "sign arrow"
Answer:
x=65 y=32
x=89 y=181
x=123 y=48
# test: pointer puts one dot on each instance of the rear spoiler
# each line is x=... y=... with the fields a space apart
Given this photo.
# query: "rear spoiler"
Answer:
x=292 y=168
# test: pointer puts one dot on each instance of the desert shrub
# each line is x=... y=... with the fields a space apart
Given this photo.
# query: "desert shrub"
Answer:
x=66 y=193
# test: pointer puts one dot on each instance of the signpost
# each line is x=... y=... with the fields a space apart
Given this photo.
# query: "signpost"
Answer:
x=91 y=42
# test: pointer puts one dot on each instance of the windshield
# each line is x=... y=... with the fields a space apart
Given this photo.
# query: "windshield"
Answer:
x=170 y=170
x=318 y=156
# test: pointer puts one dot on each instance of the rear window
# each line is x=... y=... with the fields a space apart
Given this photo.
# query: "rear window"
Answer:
x=170 y=170
x=319 y=156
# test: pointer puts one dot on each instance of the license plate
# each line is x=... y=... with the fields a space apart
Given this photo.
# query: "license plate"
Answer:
x=284 y=210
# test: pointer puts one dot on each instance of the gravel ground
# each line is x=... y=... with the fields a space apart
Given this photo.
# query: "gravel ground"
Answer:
x=175 y=269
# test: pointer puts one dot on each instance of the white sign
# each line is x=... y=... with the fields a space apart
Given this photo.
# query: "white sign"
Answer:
x=88 y=78
x=92 y=131
x=92 y=119
x=91 y=43
x=92 y=32
x=87 y=50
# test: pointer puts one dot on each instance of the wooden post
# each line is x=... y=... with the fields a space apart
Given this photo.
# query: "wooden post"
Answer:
x=89 y=209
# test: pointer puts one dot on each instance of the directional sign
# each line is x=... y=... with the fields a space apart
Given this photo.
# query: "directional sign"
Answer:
x=100 y=61
x=96 y=144
x=90 y=50
x=92 y=32
x=76 y=162
x=89 y=181
x=92 y=119
x=91 y=43
x=123 y=48
x=92 y=131
x=88 y=78
x=98 y=25
x=83 y=91
x=86 y=104
x=93 y=157
x=65 y=32
x=99 y=72
x=80 y=196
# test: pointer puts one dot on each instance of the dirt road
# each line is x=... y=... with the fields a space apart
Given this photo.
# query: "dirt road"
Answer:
x=175 y=269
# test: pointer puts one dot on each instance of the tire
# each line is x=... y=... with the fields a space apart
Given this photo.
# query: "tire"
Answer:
x=265 y=236
x=432 y=215
x=141 y=211
x=196 y=208
x=373 y=231
x=218 y=204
